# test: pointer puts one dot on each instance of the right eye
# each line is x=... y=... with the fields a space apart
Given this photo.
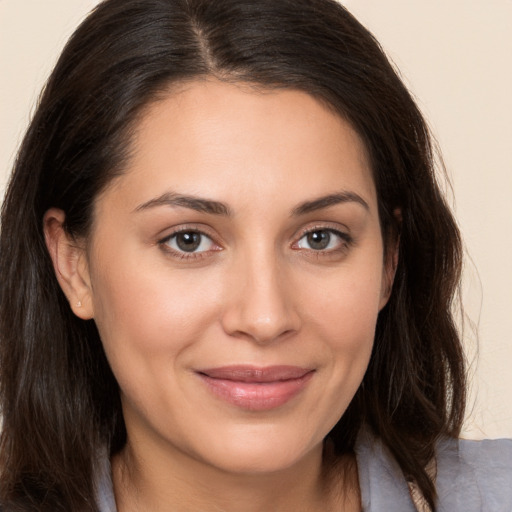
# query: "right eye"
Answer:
x=188 y=242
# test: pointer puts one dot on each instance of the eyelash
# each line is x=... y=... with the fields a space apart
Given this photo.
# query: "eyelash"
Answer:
x=345 y=242
x=164 y=244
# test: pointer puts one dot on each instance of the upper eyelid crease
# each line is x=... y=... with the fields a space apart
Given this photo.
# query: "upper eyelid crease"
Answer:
x=183 y=254
x=346 y=237
x=184 y=230
x=346 y=240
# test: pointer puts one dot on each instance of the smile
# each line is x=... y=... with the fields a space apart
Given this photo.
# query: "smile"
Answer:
x=256 y=389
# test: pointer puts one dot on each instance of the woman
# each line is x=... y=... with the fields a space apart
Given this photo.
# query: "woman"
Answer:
x=227 y=275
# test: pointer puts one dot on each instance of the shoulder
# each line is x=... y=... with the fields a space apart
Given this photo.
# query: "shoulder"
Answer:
x=381 y=481
x=471 y=476
x=474 y=475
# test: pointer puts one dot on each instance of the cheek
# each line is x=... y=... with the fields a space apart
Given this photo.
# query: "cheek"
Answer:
x=145 y=311
x=346 y=305
x=343 y=313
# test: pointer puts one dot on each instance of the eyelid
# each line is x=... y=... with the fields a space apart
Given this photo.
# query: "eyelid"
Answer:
x=184 y=228
x=163 y=242
x=342 y=231
x=346 y=238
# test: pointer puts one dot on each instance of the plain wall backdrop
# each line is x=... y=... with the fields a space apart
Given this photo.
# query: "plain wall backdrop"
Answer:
x=455 y=56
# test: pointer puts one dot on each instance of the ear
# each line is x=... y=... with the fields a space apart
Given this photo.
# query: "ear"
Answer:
x=70 y=264
x=390 y=260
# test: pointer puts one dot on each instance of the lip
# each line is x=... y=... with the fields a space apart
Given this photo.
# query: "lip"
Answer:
x=256 y=388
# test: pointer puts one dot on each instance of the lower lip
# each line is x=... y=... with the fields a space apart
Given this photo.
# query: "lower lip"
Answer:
x=256 y=396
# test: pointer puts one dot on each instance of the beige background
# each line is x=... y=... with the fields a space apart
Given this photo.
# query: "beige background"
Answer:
x=456 y=56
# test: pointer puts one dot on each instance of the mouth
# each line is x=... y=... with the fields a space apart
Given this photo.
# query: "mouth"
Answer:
x=256 y=388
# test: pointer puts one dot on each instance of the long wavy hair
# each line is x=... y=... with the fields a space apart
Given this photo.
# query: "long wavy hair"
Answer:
x=59 y=399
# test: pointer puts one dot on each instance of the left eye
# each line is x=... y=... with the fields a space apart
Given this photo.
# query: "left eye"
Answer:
x=190 y=241
x=321 y=240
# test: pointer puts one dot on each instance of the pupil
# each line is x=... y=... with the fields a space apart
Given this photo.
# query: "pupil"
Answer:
x=188 y=242
x=319 y=239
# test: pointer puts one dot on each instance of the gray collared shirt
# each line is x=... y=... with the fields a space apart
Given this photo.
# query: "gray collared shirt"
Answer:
x=472 y=476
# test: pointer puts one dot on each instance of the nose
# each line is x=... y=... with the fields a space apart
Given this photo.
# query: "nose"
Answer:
x=260 y=305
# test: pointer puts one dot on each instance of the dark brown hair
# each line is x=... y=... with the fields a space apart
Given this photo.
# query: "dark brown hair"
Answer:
x=59 y=399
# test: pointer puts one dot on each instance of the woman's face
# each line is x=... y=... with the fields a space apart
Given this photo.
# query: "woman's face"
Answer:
x=235 y=273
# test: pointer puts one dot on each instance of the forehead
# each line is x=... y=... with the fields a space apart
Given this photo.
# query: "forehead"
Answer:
x=237 y=143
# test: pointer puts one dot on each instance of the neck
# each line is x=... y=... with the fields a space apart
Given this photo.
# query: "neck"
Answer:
x=317 y=482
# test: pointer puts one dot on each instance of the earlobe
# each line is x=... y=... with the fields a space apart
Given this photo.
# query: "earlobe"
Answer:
x=69 y=263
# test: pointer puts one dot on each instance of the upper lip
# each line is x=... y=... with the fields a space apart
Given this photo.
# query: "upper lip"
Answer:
x=248 y=373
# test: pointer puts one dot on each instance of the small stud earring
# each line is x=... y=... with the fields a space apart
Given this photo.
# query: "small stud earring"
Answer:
x=79 y=304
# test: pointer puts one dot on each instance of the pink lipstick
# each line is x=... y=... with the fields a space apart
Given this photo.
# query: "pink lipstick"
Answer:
x=255 y=388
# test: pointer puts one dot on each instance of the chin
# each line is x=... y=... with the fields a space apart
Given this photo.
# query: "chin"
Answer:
x=261 y=452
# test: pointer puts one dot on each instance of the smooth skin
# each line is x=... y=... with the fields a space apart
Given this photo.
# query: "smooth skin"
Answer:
x=244 y=230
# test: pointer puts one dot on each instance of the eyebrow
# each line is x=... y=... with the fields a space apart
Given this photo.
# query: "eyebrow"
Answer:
x=217 y=208
x=329 y=200
x=192 y=202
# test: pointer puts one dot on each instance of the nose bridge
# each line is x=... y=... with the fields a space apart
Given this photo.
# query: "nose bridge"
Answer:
x=260 y=305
